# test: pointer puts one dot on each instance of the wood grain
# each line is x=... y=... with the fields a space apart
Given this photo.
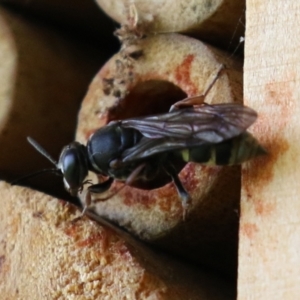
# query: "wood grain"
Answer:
x=269 y=256
x=47 y=252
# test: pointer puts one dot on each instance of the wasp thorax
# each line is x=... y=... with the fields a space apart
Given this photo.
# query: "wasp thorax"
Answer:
x=107 y=144
x=74 y=167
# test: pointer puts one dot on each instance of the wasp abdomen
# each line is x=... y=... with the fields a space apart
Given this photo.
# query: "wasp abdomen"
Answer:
x=230 y=152
x=245 y=147
x=209 y=154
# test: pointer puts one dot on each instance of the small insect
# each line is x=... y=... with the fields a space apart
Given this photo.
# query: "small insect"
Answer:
x=139 y=149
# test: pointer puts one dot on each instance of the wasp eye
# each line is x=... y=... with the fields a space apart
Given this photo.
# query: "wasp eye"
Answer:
x=70 y=163
x=73 y=165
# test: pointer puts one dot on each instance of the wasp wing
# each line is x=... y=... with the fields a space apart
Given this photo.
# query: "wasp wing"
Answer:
x=208 y=123
x=147 y=147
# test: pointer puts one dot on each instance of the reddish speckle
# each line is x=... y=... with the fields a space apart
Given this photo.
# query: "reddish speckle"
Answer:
x=249 y=230
x=183 y=73
x=263 y=208
x=188 y=178
x=166 y=191
x=278 y=98
x=132 y=196
x=211 y=171
x=71 y=230
x=280 y=95
x=164 y=197
x=91 y=240
x=261 y=172
x=122 y=250
x=170 y=196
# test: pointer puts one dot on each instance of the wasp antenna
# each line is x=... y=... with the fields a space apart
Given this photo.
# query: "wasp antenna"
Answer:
x=40 y=149
x=23 y=178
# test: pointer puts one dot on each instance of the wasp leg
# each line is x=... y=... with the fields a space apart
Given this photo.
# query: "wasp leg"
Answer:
x=130 y=179
x=198 y=100
x=96 y=188
x=101 y=187
x=184 y=195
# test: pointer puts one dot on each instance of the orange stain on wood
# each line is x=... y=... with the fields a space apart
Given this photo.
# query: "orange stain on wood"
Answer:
x=249 y=230
x=270 y=128
x=260 y=173
x=188 y=178
x=261 y=170
x=264 y=209
x=183 y=75
x=90 y=241
x=169 y=198
x=71 y=230
x=121 y=249
x=132 y=196
x=280 y=94
x=165 y=197
x=99 y=236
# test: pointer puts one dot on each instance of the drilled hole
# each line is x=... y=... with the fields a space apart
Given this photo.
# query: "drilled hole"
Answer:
x=148 y=98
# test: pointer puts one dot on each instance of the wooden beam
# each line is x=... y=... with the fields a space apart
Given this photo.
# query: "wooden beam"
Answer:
x=269 y=249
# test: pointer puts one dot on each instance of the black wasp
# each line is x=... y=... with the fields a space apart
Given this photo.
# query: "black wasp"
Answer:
x=140 y=149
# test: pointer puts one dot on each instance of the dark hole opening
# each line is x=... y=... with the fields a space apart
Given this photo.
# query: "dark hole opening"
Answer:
x=149 y=98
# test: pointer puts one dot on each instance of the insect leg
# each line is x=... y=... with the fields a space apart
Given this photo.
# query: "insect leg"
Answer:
x=130 y=179
x=184 y=195
x=198 y=100
x=96 y=188
x=101 y=187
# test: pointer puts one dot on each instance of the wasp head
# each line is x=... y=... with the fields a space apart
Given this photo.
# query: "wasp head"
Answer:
x=74 y=166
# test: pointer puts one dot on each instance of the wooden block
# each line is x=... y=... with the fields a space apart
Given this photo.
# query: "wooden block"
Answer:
x=45 y=253
x=171 y=67
x=219 y=22
x=269 y=256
